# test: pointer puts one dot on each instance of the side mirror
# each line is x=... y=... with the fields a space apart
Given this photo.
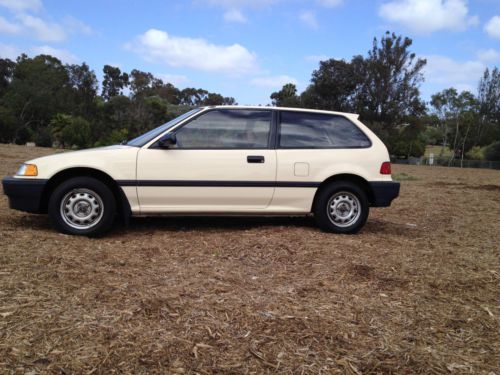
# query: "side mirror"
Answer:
x=167 y=140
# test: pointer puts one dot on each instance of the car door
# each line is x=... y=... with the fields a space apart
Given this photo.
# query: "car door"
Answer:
x=221 y=162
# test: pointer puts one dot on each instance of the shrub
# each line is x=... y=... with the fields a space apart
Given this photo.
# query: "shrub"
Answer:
x=492 y=152
x=475 y=153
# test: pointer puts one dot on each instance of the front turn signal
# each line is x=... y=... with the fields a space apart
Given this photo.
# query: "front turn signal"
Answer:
x=27 y=170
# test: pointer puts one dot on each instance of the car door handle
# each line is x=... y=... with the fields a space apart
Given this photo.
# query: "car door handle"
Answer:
x=255 y=159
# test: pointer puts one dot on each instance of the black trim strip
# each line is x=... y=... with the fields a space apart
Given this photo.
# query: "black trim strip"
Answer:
x=208 y=183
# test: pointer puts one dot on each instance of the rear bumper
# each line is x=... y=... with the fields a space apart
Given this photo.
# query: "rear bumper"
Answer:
x=384 y=192
x=24 y=194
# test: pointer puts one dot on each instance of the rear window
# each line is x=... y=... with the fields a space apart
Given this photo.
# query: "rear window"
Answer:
x=317 y=130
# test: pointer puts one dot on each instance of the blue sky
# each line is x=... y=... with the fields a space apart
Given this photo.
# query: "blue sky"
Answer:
x=250 y=48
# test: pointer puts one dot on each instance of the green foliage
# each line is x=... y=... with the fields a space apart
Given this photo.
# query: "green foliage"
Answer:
x=492 y=151
x=70 y=131
x=475 y=153
x=43 y=138
x=45 y=101
x=286 y=97
x=77 y=133
x=432 y=135
x=383 y=87
x=115 y=137
x=114 y=81
x=458 y=119
x=8 y=125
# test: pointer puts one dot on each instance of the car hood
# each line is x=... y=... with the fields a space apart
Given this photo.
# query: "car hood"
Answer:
x=118 y=161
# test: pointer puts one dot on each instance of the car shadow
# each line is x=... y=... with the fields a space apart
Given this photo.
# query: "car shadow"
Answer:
x=208 y=223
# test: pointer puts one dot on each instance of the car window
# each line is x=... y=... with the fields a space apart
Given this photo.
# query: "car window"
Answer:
x=152 y=134
x=316 y=130
x=237 y=129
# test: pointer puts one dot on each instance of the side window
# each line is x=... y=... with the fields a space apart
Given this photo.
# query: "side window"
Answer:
x=238 y=129
x=316 y=130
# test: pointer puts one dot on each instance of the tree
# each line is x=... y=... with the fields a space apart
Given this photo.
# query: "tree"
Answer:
x=6 y=72
x=39 y=89
x=286 y=97
x=382 y=87
x=70 y=131
x=84 y=84
x=143 y=83
x=492 y=152
x=489 y=107
x=457 y=114
x=389 y=92
x=169 y=92
x=114 y=82
x=332 y=87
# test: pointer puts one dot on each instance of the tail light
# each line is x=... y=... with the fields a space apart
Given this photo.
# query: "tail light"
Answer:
x=385 y=168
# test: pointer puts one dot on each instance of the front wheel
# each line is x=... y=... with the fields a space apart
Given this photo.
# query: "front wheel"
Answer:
x=341 y=207
x=82 y=206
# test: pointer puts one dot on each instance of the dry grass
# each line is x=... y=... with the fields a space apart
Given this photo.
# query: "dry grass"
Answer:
x=417 y=291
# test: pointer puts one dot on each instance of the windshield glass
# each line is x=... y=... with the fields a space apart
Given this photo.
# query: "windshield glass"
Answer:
x=150 y=135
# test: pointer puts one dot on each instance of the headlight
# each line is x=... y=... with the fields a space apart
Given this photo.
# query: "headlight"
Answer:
x=27 y=170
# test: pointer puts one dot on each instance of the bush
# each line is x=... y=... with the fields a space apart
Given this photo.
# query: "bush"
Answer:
x=117 y=136
x=492 y=152
x=70 y=131
x=432 y=135
x=475 y=153
x=43 y=138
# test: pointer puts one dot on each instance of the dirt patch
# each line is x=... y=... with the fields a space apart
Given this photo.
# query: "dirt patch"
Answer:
x=415 y=292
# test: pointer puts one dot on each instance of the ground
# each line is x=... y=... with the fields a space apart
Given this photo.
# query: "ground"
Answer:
x=416 y=291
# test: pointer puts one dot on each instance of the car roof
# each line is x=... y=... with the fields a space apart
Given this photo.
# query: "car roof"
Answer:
x=346 y=114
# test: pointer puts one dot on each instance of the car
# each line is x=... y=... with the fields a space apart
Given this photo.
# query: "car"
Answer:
x=217 y=160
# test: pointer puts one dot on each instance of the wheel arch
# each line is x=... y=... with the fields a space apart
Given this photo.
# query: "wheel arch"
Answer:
x=353 y=178
x=122 y=204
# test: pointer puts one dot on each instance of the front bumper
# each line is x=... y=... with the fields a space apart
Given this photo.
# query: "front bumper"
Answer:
x=24 y=194
x=384 y=192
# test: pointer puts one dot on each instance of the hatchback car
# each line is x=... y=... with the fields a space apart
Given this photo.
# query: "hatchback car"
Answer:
x=223 y=160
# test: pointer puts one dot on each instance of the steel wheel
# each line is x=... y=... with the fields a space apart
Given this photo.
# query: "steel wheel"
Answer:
x=343 y=209
x=82 y=208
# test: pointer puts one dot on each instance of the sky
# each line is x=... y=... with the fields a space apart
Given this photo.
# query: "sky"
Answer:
x=249 y=48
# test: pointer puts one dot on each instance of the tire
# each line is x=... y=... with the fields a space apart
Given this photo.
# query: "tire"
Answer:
x=82 y=206
x=341 y=207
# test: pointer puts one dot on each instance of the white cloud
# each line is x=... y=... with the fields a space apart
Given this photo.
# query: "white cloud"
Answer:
x=427 y=16
x=34 y=27
x=234 y=15
x=330 y=3
x=489 y=56
x=175 y=79
x=76 y=26
x=273 y=82
x=492 y=27
x=62 y=54
x=8 y=27
x=446 y=72
x=22 y=5
x=41 y=30
x=308 y=18
x=158 y=46
x=9 y=51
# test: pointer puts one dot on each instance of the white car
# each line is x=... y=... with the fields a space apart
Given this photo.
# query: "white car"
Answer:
x=223 y=160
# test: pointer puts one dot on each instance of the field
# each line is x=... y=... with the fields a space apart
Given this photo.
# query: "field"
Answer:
x=417 y=291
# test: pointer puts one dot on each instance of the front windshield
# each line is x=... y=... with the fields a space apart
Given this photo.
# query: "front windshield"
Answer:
x=150 y=135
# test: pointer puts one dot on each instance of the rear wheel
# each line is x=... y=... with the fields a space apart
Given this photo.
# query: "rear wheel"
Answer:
x=341 y=207
x=82 y=206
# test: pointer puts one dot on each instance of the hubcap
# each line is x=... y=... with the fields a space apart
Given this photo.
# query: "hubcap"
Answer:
x=81 y=208
x=343 y=209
